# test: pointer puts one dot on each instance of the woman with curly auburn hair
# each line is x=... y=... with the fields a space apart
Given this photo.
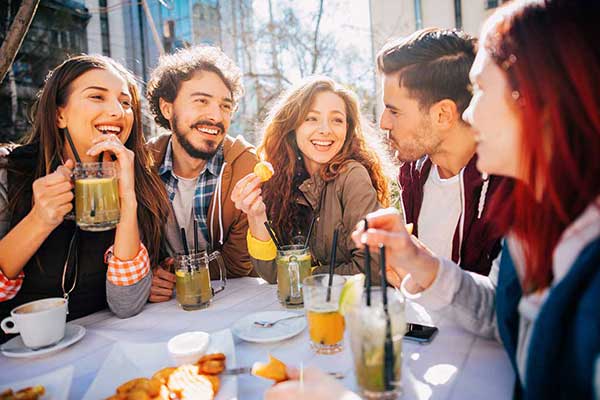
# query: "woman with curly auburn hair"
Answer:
x=325 y=176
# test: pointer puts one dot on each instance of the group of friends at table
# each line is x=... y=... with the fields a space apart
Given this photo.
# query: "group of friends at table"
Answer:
x=497 y=141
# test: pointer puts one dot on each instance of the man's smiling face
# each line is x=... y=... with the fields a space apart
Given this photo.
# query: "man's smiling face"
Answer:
x=200 y=115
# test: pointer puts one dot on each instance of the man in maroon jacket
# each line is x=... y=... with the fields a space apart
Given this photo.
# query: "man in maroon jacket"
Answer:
x=426 y=90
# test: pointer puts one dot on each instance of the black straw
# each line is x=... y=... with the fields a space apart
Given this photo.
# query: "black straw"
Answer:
x=332 y=262
x=186 y=249
x=73 y=149
x=310 y=229
x=388 y=349
x=196 y=236
x=272 y=234
x=368 y=267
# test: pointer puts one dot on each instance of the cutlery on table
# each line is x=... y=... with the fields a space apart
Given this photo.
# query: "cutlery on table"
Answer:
x=248 y=370
x=268 y=324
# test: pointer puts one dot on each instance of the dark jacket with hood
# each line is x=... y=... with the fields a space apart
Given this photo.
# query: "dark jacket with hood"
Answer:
x=475 y=244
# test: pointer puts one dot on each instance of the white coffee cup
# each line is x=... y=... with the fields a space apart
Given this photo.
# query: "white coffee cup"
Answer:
x=41 y=323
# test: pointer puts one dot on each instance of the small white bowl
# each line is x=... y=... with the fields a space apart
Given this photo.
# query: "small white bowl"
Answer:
x=188 y=347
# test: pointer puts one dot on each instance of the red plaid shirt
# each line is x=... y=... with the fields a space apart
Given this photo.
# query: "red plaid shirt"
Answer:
x=119 y=272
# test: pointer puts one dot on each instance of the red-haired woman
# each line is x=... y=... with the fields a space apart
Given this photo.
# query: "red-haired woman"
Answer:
x=536 y=82
x=324 y=172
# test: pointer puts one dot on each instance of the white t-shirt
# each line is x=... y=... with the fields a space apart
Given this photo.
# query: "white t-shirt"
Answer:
x=183 y=205
x=440 y=212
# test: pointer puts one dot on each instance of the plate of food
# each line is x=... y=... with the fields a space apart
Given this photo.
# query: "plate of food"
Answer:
x=132 y=368
x=54 y=385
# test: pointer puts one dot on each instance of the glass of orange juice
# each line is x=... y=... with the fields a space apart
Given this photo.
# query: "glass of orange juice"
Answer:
x=325 y=322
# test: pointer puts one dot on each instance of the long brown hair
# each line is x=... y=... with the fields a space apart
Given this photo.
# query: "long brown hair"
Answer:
x=549 y=53
x=279 y=147
x=50 y=140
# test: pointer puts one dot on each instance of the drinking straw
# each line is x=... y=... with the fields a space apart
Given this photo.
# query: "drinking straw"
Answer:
x=272 y=234
x=368 y=267
x=195 y=236
x=388 y=349
x=332 y=262
x=310 y=229
x=101 y=157
x=73 y=149
x=186 y=249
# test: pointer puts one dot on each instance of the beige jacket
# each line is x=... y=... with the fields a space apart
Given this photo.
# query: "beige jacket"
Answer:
x=348 y=198
x=228 y=224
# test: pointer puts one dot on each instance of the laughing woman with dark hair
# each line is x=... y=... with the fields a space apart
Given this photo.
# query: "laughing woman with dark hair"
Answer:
x=95 y=100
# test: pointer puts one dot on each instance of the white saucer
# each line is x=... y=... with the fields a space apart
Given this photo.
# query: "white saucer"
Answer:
x=246 y=330
x=16 y=349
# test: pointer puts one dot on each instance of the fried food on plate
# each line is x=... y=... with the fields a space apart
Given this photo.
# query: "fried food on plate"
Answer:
x=187 y=383
x=28 y=393
x=199 y=381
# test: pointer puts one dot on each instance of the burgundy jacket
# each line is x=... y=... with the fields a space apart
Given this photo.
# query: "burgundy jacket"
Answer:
x=477 y=244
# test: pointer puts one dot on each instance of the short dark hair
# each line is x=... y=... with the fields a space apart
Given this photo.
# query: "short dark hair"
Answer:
x=172 y=69
x=433 y=63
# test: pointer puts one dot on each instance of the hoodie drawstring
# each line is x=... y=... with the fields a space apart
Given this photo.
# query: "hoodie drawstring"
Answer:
x=217 y=199
x=484 y=188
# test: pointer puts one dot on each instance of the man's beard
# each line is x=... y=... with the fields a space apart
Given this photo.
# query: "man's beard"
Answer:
x=422 y=143
x=189 y=148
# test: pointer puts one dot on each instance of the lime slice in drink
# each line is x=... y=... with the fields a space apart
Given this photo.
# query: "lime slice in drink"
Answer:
x=351 y=292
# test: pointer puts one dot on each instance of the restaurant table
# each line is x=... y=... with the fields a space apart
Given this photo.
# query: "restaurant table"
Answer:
x=456 y=365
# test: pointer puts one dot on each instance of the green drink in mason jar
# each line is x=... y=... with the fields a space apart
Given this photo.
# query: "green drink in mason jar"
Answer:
x=293 y=265
x=97 y=206
x=193 y=288
x=193 y=285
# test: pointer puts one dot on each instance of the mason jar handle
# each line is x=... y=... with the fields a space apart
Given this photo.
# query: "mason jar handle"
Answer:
x=222 y=272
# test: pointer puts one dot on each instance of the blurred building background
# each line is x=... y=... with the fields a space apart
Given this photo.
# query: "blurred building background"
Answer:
x=135 y=34
x=58 y=30
x=396 y=18
x=274 y=42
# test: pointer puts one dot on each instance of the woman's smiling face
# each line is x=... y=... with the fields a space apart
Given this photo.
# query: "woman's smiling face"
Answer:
x=98 y=102
x=323 y=132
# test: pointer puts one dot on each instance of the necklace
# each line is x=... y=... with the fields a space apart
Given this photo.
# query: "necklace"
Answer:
x=72 y=244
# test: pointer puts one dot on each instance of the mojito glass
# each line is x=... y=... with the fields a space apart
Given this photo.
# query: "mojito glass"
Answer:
x=367 y=327
x=325 y=323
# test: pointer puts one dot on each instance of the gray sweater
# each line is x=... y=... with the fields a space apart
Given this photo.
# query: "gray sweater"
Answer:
x=469 y=298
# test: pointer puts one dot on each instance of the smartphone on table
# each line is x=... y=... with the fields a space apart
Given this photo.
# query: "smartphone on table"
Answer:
x=420 y=333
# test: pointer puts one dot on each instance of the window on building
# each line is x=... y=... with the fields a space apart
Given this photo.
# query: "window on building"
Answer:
x=104 y=28
x=491 y=3
x=64 y=40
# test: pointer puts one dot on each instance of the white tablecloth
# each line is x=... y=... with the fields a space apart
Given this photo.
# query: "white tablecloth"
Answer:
x=456 y=365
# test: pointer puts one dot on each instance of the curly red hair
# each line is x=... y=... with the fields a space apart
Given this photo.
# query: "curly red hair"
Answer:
x=279 y=147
